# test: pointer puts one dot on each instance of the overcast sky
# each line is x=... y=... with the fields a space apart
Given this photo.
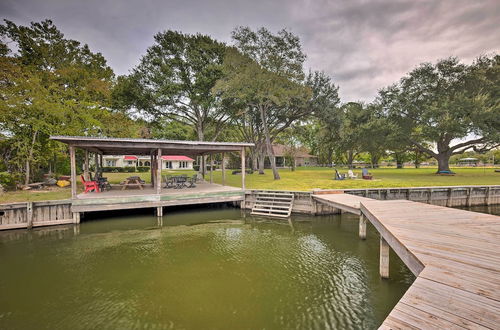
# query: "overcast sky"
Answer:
x=363 y=45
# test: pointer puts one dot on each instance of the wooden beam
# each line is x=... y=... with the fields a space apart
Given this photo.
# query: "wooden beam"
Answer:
x=72 y=159
x=362 y=227
x=243 y=171
x=223 y=169
x=211 y=168
x=151 y=169
x=158 y=171
x=384 y=258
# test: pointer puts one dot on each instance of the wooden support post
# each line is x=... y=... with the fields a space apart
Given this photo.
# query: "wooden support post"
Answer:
x=211 y=168
x=223 y=169
x=86 y=166
x=76 y=217
x=72 y=159
x=487 y=196
x=158 y=171
x=362 y=226
x=243 y=171
x=151 y=169
x=384 y=258
x=159 y=211
x=29 y=214
x=429 y=197
x=469 y=197
x=96 y=160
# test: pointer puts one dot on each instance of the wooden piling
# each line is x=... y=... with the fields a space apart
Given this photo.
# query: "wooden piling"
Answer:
x=384 y=258
x=362 y=226
x=223 y=169
x=29 y=214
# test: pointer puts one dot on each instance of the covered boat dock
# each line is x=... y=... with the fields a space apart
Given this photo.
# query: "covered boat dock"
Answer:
x=154 y=196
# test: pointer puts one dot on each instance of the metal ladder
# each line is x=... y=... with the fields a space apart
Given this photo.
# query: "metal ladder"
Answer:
x=273 y=204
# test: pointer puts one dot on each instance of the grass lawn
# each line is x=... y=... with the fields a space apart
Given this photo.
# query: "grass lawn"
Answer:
x=309 y=178
x=305 y=178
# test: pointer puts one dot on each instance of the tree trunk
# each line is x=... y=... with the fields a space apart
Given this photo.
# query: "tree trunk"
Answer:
x=29 y=158
x=261 y=159
x=443 y=162
x=350 y=158
x=374 y=160
x=201 y=137
x=269 y=147
x=254 y=160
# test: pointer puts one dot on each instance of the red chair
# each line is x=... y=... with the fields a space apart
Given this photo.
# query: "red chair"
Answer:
x=90 y=185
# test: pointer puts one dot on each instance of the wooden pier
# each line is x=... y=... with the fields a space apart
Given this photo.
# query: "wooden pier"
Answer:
x=455 y=255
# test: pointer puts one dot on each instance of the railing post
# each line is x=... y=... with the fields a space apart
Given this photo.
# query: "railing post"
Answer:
x=29 y=214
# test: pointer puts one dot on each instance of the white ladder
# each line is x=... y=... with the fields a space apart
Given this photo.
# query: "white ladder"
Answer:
x=273 y=204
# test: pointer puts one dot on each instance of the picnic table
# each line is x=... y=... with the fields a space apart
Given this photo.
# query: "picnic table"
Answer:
x=133 y=181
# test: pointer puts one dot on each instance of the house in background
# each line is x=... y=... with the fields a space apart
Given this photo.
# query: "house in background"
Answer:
x=168 y=162
x=301 y=156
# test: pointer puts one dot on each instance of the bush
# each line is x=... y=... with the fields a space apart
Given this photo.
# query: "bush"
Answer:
x=196 y=167
x=113 y=169
x=142 y=168
x=7 y=180
x=129 y=169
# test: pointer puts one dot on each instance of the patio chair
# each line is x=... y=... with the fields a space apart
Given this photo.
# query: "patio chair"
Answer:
x=169 y=181
x=192 y=181
x=351 y=175
x=339 y=176
x=366 y=175
x=89 y=185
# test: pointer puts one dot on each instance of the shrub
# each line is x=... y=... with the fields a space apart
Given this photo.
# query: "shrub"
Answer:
x=142 y=168
x=7 y=180
x=250 y=171
x=196 y=167
x=129 y=169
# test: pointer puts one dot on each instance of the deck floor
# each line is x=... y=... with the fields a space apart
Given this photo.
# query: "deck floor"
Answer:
x=149 y=190
x=459 y=284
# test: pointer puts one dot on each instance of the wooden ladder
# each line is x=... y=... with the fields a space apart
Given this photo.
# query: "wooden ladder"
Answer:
x=273 y=204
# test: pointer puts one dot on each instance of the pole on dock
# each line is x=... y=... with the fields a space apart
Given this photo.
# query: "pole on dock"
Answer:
x=223 y=169
x=86 y=166
x=243 y=171
x=384 y=258
x=362 y=226
x=211 y=168
x=158 y=171
x=72 y=159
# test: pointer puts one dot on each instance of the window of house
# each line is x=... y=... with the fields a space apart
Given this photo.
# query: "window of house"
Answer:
x=130 y=162
x=110 y=162
x=146 y=163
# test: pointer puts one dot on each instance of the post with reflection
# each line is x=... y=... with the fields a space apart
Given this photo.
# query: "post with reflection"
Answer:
x=384 y=258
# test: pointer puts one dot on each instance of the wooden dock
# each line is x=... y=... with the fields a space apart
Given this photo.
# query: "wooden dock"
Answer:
x=455 y=255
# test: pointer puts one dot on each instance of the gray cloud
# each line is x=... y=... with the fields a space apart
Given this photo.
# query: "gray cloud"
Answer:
x=364 y=45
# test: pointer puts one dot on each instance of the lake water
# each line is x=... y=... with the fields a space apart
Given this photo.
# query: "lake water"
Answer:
x=199 y=269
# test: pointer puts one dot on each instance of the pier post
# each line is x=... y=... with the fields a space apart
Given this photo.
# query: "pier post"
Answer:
x=223 y=169
x=76 y=217
x=362 y=226
x=96 y=160
x=159 y=211
x=211 y=168
x=158 y=172
x=72 y=159
x=487 y=196
x=384 y=258
x=86 y=166
x=29 y=214
x=243 y=170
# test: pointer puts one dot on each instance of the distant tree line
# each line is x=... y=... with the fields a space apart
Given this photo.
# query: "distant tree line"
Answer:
x=255 y=89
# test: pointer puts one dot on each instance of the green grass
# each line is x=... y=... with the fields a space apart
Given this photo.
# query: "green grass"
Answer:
x=303 y=179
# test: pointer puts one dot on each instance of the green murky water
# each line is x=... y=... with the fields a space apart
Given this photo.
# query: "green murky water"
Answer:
x=200 y=269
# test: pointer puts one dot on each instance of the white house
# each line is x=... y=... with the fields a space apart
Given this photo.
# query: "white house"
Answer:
x=168 y=162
